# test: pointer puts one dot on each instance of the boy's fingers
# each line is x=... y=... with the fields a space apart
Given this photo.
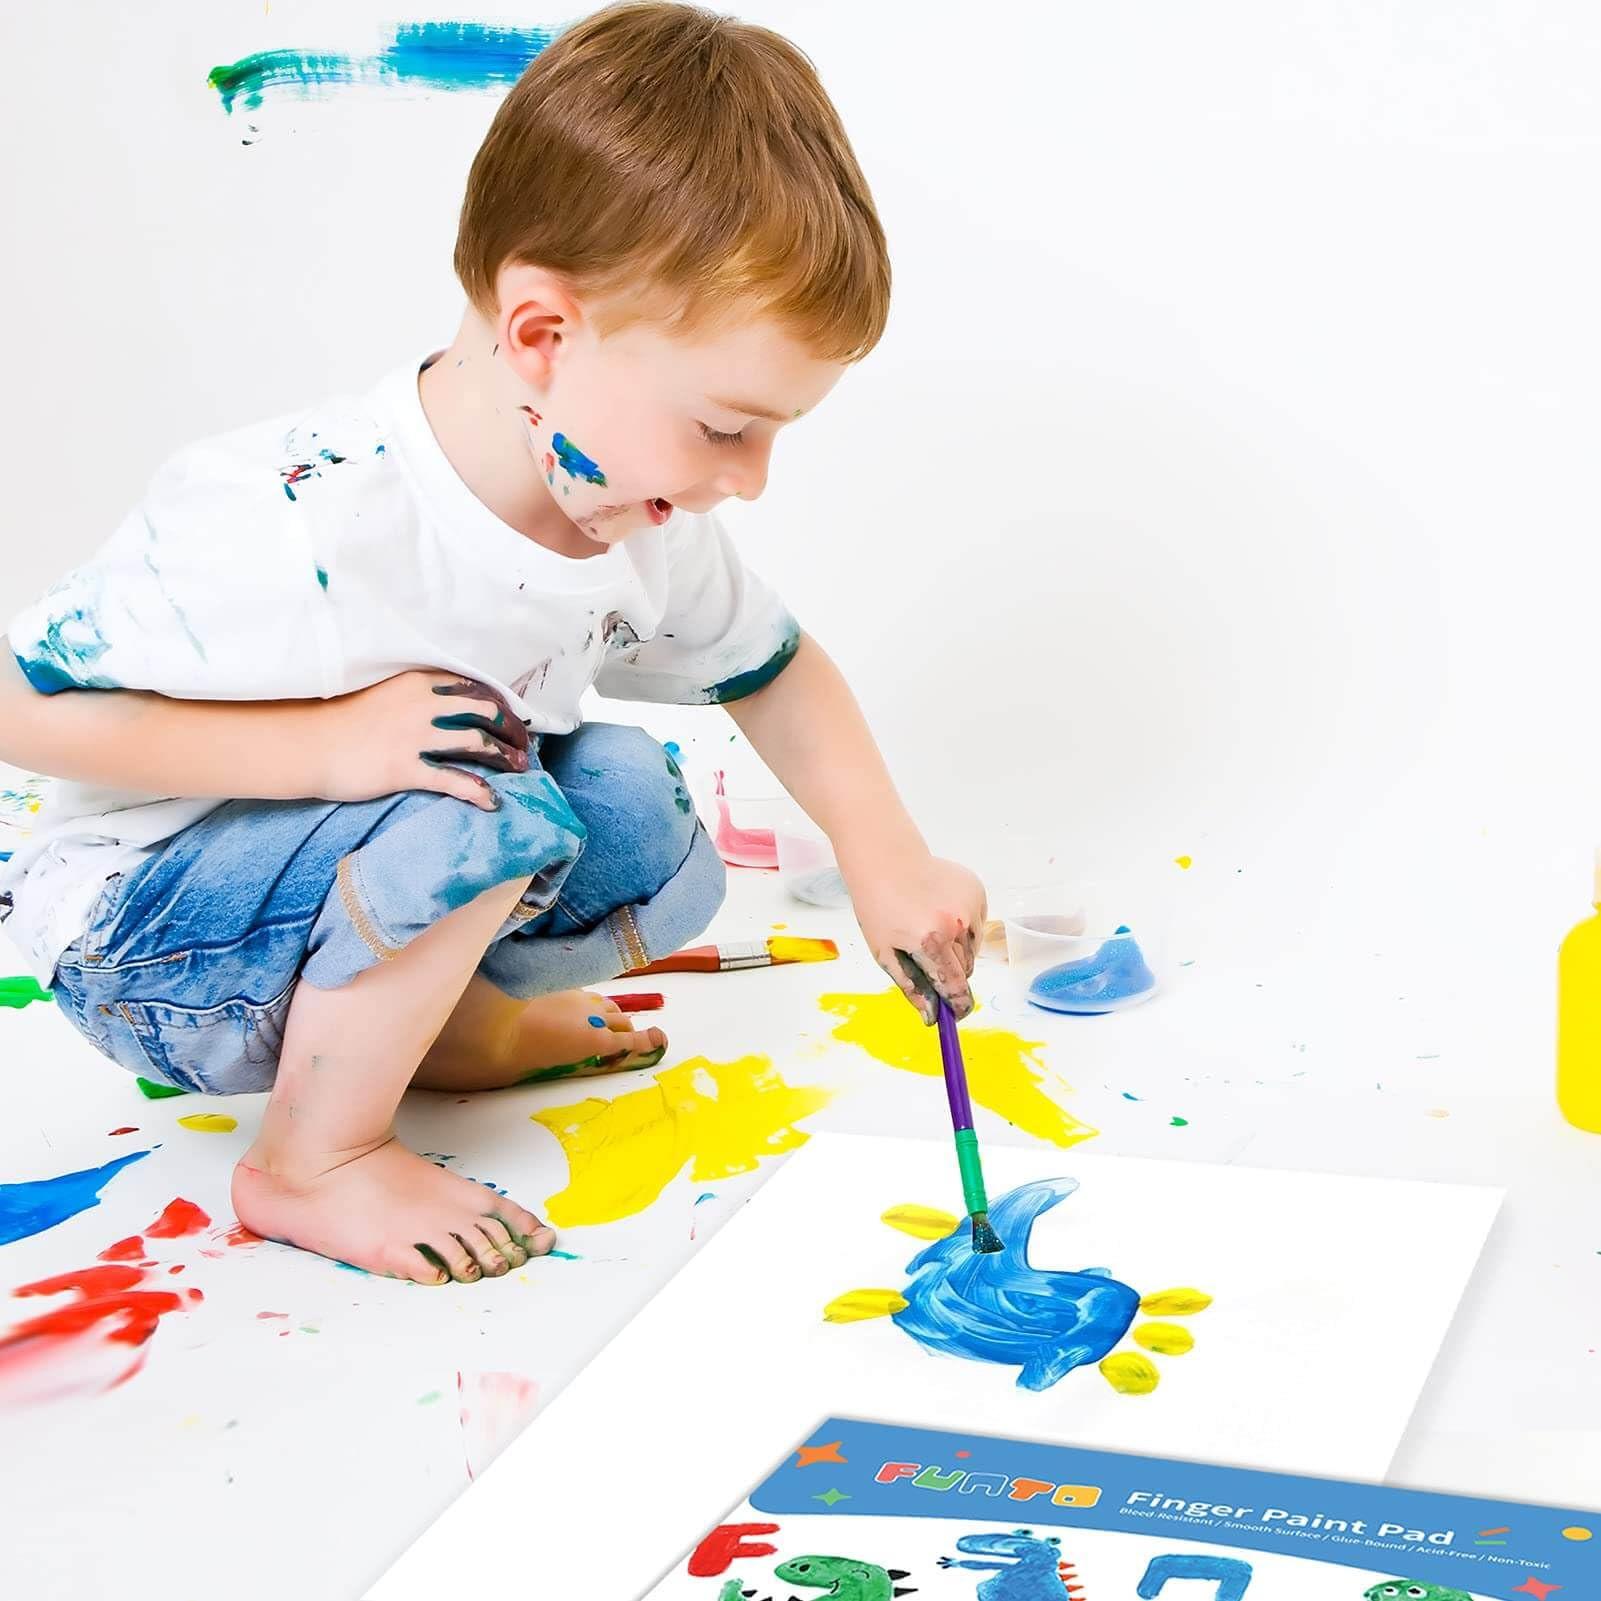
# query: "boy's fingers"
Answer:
x=939 y=959
x=444 y=779
x=491 y=712
x=915 y=984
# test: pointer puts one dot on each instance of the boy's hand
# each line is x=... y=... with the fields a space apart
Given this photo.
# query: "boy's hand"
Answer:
x=400 y=735
x=923 y=919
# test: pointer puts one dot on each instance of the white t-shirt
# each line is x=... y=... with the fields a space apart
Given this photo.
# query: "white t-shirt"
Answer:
x=317 y=553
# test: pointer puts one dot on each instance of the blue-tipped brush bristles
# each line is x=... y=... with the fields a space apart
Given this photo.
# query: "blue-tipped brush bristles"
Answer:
x=985 y=1240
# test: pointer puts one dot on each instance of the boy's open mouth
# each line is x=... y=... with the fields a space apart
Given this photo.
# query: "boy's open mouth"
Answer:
x=660 y=510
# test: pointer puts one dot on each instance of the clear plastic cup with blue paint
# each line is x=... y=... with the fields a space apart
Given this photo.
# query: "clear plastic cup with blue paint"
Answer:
x=807 y=867
x=1069 y=951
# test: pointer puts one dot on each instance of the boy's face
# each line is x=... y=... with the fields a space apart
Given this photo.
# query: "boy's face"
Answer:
x=624 y=428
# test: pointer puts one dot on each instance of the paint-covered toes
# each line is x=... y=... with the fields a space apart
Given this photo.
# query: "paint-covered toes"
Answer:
x=389 y=1211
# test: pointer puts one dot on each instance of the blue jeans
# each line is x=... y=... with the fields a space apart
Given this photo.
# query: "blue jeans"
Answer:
x=188 y=966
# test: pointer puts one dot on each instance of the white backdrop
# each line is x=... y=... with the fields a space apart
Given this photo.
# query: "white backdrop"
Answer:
x=1225 y=484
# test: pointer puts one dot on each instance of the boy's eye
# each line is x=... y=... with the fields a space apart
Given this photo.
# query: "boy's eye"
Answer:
x=713 y=437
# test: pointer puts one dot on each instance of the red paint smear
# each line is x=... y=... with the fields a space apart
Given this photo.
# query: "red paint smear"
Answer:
x=649 y=1002
x=131 y=1249
x=272 y=1314
x=129 y=1130
x=181 y=1217
x=240 y=1235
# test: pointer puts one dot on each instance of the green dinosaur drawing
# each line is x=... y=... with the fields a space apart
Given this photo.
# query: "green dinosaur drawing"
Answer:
x=843 y=1578
x=1410 y=1590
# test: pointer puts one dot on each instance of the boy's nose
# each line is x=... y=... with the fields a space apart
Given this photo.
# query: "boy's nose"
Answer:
x=748 y=478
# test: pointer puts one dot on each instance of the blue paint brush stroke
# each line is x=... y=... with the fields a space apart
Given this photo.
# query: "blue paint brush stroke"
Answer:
x=40 y=1204
x=574 y=462
x=994 y=1307
x=419 y=55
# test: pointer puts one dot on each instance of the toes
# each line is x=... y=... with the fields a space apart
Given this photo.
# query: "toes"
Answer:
x=536 y=1238
x=482 y=1251
x=644 y=1048
x=454 y=1257
x=499 y=1236
x=421 y=1264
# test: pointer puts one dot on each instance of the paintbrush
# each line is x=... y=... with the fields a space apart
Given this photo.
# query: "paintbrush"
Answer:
x=985 y=1239
x=775 y=952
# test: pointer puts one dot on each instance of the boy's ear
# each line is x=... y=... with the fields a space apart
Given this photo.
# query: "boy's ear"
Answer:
x=537 y=318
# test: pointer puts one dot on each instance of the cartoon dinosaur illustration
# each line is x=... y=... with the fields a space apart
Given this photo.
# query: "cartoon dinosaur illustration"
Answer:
x=1411 y=1590
x=843 y=1578
x=1030 y=1569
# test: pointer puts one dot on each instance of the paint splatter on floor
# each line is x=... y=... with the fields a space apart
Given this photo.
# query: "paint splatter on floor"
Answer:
x=39 y=1204
x=96 y=1340
x=209 y=1122
x=721 y=1118
x=495 y=1408
x=1005 y=1072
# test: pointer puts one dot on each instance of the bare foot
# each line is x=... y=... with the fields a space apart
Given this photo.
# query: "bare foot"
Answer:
x=387 y=1210
x=577 y=1034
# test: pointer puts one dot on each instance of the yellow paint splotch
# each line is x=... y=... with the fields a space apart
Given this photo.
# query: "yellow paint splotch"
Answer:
x=1005 y=1072
x=209 y=1122
x=856 y=1306
x=1166 y=1339
x=1129 y=1373
x=721 y=1117
x=1176 y=1303
x=921 y=1222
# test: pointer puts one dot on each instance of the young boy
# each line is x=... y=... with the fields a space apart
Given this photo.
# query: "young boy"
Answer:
x=402 y=866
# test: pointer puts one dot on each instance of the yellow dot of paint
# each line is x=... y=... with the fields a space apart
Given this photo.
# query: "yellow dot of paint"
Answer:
x=854 y=1306
x=1577 y=1533
x=1130 y=1374
x=1166 y=1339
x=921 y=1222
x=1186 y=862
x=1176 y=1303
x=210 y=1122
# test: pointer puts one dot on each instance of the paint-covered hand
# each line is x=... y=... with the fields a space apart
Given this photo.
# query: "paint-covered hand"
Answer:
x=400 y=735
x=923 y=919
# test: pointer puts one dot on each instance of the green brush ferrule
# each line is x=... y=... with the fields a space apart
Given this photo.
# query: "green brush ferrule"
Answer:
x=972 y=1173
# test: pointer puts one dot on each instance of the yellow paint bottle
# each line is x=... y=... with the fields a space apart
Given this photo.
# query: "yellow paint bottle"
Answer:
x=1579 y=1019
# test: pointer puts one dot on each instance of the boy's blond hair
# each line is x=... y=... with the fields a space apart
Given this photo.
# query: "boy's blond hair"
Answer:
x=675 y=166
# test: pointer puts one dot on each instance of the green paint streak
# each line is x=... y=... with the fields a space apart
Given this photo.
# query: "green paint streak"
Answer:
x=544 y=1075
x=743 y=684
x=20 y=992
x=429 y=1399
x=322 y=577
x=1179 y=1122
x=158 y=1092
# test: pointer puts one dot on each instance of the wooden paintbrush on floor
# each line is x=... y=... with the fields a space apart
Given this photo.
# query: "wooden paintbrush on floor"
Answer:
x=776 y=952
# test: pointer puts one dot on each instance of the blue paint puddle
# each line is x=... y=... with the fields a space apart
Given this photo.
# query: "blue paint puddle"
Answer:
x=1116 y=975
x=40 y=1204
x=997 y=1308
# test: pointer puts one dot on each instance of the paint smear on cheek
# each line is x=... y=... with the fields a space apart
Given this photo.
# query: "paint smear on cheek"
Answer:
x=1005 y=1072
x=720 y=1118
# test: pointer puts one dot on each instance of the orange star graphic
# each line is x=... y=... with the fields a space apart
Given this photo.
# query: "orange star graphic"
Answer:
x=1538 y=1588
x=810 y=1455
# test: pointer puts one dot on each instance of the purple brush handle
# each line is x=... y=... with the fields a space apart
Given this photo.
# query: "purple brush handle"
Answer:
x=950 y=1050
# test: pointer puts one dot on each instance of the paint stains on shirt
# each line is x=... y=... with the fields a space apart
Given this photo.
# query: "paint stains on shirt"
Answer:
x=717 y=1118
x=1005 y=1072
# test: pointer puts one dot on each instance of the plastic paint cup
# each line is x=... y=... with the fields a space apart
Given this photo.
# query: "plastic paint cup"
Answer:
x=1066 y=954
x=807 y=867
